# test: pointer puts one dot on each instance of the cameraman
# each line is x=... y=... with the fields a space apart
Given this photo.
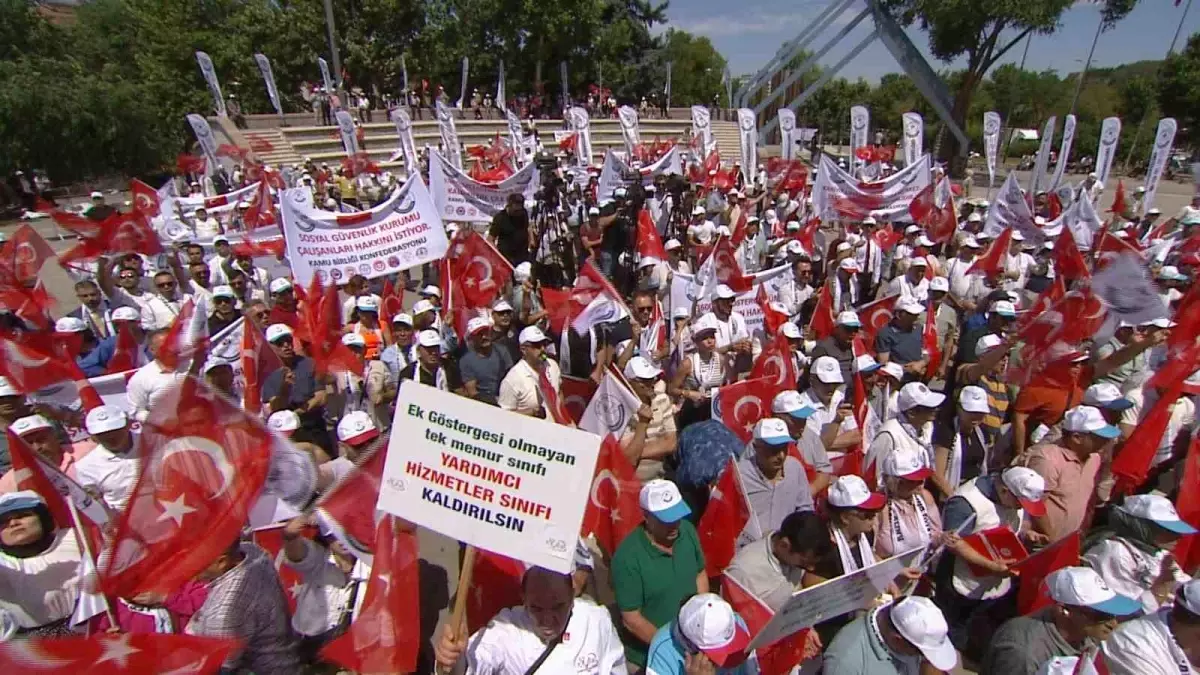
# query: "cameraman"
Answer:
x=511 y=230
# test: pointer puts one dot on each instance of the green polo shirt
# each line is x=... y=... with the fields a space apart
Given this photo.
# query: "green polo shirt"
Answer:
x=656 y=583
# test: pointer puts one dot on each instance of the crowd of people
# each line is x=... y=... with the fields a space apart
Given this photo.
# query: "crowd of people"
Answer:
x=880 y=448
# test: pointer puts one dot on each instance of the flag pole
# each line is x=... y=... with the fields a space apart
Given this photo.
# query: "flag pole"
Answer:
x=87 y=551
x=466 y=570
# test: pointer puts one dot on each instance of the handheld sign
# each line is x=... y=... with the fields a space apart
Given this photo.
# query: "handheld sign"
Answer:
x=833 y=598
x=508 y=483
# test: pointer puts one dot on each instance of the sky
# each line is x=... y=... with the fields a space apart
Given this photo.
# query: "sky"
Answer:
x=748 y=33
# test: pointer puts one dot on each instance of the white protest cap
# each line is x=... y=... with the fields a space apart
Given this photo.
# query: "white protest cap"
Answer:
x=1083 y=587
x=432 y=291
x=1058 y=665
x=848 y=264
x=429 y=338
x=593 y=211
x=702 y=325
x=1017 y=236
x=851 y=492
x=792 y=225
x=1004 y=308
x=523 y=271
x=97 y=195
x=918 y=261
x=911 y=307
x=1106 y=395
x=791 y=331
x=752 y=219
x=895 y=370
x=356 y=427
x=354 y=340
x=698 y=210
x=680 y=313
x=280 y=285
x=973 y=399
x=277 y=331
x=422 y=306
x=661 y=499
x=104 y=418
x=865 y=363
x=477 y=324
x=709 y=623
x=639 y=368
x=922 y=624
x=849 y=319
x=403 y=318
x=924 y=241
x=30 y=424
x=532 y=335
x=619 y=192
x=724 y=292
x=21 y=500
x=1161 y=322
x=1154 y=211
x=795 y=247
x=723 y=231
x=1188 y=596
x=916 y=394
x=284 y=422
x=827 y=370
x=367 y=303
x=772 y=431
x=6 y=387
x=127 y=314
x=223 y=291
x=987 y=342
x=647 y=261
x=869 y=220
x=70 y=324
x=1170 y=272
x=1088 y=420
x=939 y=284
x=845 y=246
x=904 y=462
x=974 y=217
x=791 y=402
x=212 y=364
x=1028 y=487
x=912 y=229
x=502 y=305
x=971 y=242
x=672 y=244
x=1158 y=510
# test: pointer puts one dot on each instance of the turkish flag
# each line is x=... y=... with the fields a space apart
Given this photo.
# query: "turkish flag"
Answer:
x=553 y=402
x=726 y=268
x=28 y=475
x=392 y=301
x=1118 y=205
x=777 y=658
x=874 y=316
x=348 y=508
x=190 y=164
x=33 y=361
x=117 y=654
x=1187 y=503
x=1032 y=594
x=321 y=319
x=232 y=151
x=1047 y=299
x=32 y=305
x=724 y=519
x=259 y=249
x=1068 y=261
x=922 y=205
x=22 y=257
x=742 y=404
x=992 y=261
x=1132 y=462
x=775 y=363
x=145 y=198
x=887 y=237
x=127 y=354
x=930 y=343
x=386 y=636
x=942 y=224
x=773 y=318
x=261 y=211
x=203 y=464
x=270 y=539
x=822 y=321
x=577 y=392
x=649 y=242
x=495 y=585
x=480 y=270
x=787 y=175
x=187 y=335
x=119 y=233
x=612 y=510
x=568 y=142
x=359 y=164
x=258 y=361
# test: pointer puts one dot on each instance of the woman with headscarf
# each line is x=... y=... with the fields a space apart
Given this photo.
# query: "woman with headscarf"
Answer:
x=910 y=519
x=1133 y=554
x=39 y=567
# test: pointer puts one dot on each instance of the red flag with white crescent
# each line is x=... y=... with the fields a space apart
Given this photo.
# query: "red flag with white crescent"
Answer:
x=740 y=405
x=612 y=510
x=127 y=354
x=724 y=518
x=117 y=654
x=777 y=658
x=875 y=315
x=822 y=321
x=992 y=261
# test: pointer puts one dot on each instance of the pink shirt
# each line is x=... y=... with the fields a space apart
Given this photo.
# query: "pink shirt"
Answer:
x=1070 y=484
x=71 y=455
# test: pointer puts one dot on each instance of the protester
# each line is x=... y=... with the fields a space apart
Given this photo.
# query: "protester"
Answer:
x=651 y=437
x=699 y=374
x=892 y=638
x=110 y=470
x=777 y=565
x=484 y=366
x=523 y=388
x=707 y=636
x=333 y=581
x=911 y=430
x=910 y=519
x=1162 y=643
x=1071 y=470
x=295 y=387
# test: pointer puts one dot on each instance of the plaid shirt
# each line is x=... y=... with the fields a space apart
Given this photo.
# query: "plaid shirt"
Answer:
x=247 y=603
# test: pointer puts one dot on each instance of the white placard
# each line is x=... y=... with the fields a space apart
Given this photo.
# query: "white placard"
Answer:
x=495 y=479
x=460 y=198
x=833 y=598
x=614 y=171
x=685 y=290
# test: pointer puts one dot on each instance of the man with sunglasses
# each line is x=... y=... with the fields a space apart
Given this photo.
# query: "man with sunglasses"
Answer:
x=643 y=342
x=161 y=309
x=796 y=290
x=521 y=389
x=242 y=291
x=295 y=387
x=126 y=288
x=840 y=346
x=224 y=310
x=284 y=309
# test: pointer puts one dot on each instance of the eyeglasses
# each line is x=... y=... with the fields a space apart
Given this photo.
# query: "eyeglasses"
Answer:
x=128 y=276
x=166 y=284
x=644 y=309
x=261 y=315
x=223 y=299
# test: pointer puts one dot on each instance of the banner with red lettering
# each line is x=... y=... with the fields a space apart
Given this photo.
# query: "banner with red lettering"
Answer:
x=836 y=191
x=460 y=198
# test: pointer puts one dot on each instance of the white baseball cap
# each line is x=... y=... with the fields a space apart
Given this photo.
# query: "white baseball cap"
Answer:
x=850 y=491
x=723 y=231
x=354 y=340
x=916 y=394
x=523 y=271
x=974 y=217
x=865 y=363
x=502 y=305
x=1004 y=308
x=725 y=292
x=971 y=242
x=827 y=370
x=918 y=261
x=432 y=291
x=792 y=225
x=1028 y=487
x=987 y=342
x=7 y=388
x=1086 y=419
x=973 y=399
x=1157 y=509
x=911 y=307
x=1017 y=236
x=21 y=500
x=772 y=431
x=795 y=247
x=869 y=220
x=1083 y=587
x=698 y=210
x=672 y=244
x=97 y=195
x=848 y=264
x=30 y=424
x=532 y=335
x=70 y=324
x=647 y=261
x=904 y=462
x=680 y=313
x=922 y=624
x=791 y=402
x=895 y=370
x=939 y=284
x=223 y=291
x=356 y=427
x=126 y=314
x=1106 y=395
x=403 y=318
x=284 y=422
x=849 y=319
x=1188 y=595
x=639 y=368
x=845 y=245
x=709 y=623
x=367 y=303
x=477 y=324
x=104 y=418
x=912 y=229
x=593 y=211
x=422 y=306
x=280 y=285
x=1161 y=322
x=429 y=338
x=661 y=499
x=277 y=331
x=791 y=331
x=924 y=241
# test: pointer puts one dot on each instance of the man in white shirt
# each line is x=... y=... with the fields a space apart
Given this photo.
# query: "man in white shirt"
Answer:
x=912 y=286
x=956 y=269
x=796 y=290
x=701 y=231
x=147 y=386
x=1018 y=263
x=1144 y=398
x=203 y=225
x=126 y=288
x=110 y=470
x=551 y=629
x=521 y=389
x=216 y=264
x=1164 y=643
x=160 y=309
x=732 y=333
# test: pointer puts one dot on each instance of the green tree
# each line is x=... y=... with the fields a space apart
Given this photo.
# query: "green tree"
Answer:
x=696 y=66
x=1179 y=87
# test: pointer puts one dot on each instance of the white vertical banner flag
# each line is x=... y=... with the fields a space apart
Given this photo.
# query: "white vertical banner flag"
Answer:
x=860 y=123
x=324 y=66
x=1110 y=133
x=516 y=137
x=204 y=135
x=787 y=133
x=611 y=409
x=1043 y=156
x=667 y=88
x=914 y=137
x=748 y=140
x=628 y=118
x=462 y=89
x=991 y=143
x=1164 y=139
x=345 y=125
x=210 y=78
x=702 y=128
x=1064 y=151
x=1009 y=209
x=451 y=149
x=581 y=125
x=562 y=76
x=408 y=147
x=404 y=77
x=264 y=65
x=500 y=88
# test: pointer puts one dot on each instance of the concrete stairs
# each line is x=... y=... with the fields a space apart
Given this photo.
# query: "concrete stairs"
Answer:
x=281 y=151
